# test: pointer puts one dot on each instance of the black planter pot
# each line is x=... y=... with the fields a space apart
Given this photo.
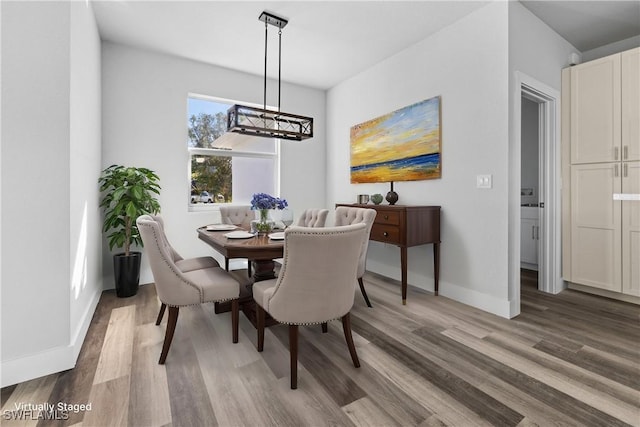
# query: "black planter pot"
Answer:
x=127 y=273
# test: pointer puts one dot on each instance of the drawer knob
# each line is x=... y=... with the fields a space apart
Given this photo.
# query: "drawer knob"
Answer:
x=385 y=234
x=386 y=217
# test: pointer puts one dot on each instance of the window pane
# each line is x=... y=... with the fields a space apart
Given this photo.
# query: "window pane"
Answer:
x=211 y=178
x=252 y=175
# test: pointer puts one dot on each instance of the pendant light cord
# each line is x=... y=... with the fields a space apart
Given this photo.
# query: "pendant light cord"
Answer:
x=279 y=64
x=266 y=33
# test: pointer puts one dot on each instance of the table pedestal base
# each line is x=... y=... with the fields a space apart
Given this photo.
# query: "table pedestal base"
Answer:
x=247 y=304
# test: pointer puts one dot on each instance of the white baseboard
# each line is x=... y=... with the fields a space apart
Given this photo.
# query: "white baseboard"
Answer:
x=37 y=365
x=50 y=361
x=604 y=293
x=491 y=304
x=499 y=307
x=81 y=332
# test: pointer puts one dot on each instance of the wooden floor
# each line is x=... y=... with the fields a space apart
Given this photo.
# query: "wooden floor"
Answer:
x=569 y=359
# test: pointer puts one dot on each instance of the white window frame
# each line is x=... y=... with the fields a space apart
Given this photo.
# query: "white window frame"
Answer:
x=192 y=151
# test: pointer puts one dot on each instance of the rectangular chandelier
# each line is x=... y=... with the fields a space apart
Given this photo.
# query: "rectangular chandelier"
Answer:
x=266 y=123
x=244 y=121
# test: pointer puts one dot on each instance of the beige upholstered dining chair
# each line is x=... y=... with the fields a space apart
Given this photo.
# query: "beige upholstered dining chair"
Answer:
x=188 y=264
x=313 y=218
x=310 y=218
x=240 y=216
x=315 y=284
x=177 y=289
x=345 y=215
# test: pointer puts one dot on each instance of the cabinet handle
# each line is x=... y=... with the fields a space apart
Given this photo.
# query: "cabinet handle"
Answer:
x=537 y=233
x=615 y=170
x=625 y=152
x=626 y=170
x=385 y=234
x=386 y=217
x=533 y=232
x=615 y=153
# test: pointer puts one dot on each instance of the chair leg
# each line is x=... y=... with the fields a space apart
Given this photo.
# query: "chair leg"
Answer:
x=249 y=268
x=161 y=314
x=293 y=354
x=325 y=329
x=364 y=293
x=226 y=264
x=235 y=310
x=168 y=336
x=346 y=326
x=260 y=314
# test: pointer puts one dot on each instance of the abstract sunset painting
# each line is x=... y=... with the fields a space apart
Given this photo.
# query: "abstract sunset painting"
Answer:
x=404 y=145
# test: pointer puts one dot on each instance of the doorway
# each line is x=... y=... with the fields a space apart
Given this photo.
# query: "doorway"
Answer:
x=532 y=187
x=547 y=235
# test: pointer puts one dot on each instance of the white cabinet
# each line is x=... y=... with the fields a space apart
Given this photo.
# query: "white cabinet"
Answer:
x=596 y=226
x=630 y=112
x=529 y=237
x=605 y=109
x=631 y=230
x=595 y=111
x=601 y=247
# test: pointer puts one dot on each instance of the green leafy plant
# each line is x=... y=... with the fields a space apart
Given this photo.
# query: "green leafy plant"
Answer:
x=128 y=193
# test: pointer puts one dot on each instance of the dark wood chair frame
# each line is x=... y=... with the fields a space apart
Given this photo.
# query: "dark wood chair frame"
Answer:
x=173 y=321
x=293 y=341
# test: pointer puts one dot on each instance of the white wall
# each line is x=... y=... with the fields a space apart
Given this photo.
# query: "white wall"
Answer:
x=466 y=63
x=44 y=44
x=145 y=124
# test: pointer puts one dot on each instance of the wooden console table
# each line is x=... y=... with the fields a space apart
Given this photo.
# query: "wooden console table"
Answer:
x=406 y=226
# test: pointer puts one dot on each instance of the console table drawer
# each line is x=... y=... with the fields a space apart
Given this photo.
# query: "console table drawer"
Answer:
x=387 y=217
x=385 y=233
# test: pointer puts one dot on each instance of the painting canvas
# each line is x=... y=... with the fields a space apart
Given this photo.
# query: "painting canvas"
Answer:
x=404 y=145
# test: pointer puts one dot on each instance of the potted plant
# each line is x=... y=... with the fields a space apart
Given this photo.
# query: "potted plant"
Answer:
x=128 y=193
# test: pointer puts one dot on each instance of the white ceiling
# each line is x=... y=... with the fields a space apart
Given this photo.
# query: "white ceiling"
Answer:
x=589 y=24
x=327 y=42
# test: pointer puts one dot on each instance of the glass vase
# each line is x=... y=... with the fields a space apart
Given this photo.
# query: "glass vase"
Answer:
x=263 y=224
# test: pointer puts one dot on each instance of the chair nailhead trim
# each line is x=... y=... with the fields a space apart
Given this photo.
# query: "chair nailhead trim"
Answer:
x=199 y=303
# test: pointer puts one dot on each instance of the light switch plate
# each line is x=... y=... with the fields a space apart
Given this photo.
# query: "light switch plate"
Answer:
x=484 y=181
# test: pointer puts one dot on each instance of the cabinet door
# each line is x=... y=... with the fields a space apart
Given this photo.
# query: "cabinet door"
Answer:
x=595 y=226
x=630 y=113
x=595 y=111
x=631 y=230
x=528 y=241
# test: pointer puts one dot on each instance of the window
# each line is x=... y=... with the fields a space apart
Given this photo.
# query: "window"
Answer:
x=221 y=171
